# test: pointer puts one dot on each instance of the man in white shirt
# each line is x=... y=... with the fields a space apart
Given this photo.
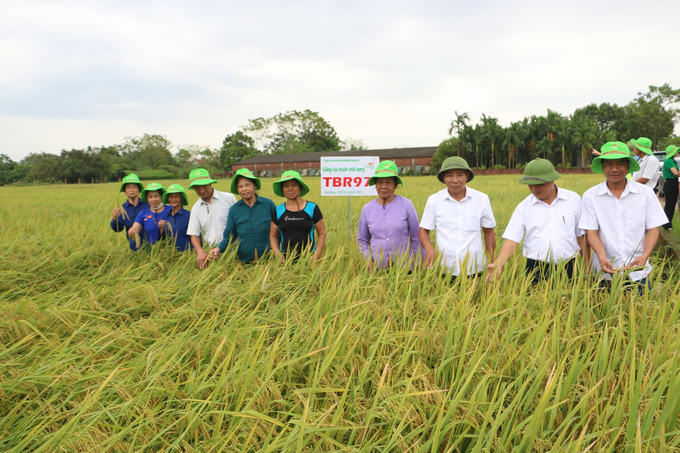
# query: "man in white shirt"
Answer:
x=208 y=215
x=459 y=215
x=648 y=174
x=547 y=220
x=621 y=217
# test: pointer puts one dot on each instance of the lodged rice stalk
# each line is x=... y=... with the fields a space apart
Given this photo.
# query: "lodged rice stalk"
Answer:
x=102 y=349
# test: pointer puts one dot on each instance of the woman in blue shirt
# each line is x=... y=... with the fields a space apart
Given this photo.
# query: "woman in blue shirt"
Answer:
x=124 y=216
x=148 y=219
x=248 y=221
x=177 y=221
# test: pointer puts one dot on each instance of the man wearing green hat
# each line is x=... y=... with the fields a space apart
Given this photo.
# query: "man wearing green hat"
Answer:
x=621 y=217
x=123 y=217
x=670 y=185
x=458 y=214
x=208 y=215
x=547 y=220
x=648 y=174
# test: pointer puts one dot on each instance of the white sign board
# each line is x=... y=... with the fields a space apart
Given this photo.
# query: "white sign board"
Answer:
x=348 y=176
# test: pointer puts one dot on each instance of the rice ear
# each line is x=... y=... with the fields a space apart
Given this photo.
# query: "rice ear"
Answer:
x=123 y=213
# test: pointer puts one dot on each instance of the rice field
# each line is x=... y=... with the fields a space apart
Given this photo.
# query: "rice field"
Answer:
x=105 y=350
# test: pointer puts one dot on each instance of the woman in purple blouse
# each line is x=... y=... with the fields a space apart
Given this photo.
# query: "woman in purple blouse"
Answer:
x=388 y=226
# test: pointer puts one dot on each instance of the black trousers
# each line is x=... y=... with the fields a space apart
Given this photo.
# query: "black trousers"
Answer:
x=540 y=270
x=471 y=276
x=643 y=285
x=670 y=190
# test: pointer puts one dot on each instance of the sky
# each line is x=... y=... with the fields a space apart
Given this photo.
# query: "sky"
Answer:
x=389 y=73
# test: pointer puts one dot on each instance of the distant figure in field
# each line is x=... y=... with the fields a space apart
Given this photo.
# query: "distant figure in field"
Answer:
x=388 y=226
x=547 y=220
x=295 y=221
x=208 y=215
x=460 y=216
x=149 y=219
x=621 y=217
x=177 y=221
x=670 y=185
x=122 y=219
x=249 y=221
x=648 y=174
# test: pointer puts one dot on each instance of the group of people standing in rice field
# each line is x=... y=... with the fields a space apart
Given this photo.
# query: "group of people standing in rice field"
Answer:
x=618 y=219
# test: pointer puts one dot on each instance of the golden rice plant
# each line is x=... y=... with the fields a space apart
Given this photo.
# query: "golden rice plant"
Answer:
x=102 y=349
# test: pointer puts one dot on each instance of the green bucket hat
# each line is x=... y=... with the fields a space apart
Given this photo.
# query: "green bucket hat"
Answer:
x=200 y=177
x=455 y=163
x=176 y=188
x=386 y=169
x=643 y=144
x=612 y=151
x=244 y=173
x=131 y=179
x=671 y=150
x=287 y=176
x=154 y=186
x=539 y=171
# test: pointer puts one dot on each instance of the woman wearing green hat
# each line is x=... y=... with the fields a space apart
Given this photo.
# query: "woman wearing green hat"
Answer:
x=176 y=223
x=124 y=216
x=670 y=186
x=388 y=226
x=148 y=219
x=295 y=221
x=249 y=220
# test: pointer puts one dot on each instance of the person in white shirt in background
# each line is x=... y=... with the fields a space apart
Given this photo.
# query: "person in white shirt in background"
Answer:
x=208 y=215
x=459 y=215
x=621 y=218
x=547 y=220
x=648 y=174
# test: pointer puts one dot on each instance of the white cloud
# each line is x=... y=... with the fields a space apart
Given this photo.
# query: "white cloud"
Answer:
x=390 y=73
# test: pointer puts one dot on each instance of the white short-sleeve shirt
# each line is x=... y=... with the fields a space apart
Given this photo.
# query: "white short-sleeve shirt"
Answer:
x=623 y=222
x=549 y=230
x=458 y=225
x=649 y=168
x=210 y=219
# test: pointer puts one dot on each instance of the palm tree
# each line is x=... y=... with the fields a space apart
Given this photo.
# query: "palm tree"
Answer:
x=493 y=132
x=459 y=125
x=584 y=134
x=477 y=136
x=535 y=127
x=563 y=137
x=514 y=137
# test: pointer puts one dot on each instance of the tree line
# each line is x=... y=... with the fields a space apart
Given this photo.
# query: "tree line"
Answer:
x=565 y=140
x=150 y=155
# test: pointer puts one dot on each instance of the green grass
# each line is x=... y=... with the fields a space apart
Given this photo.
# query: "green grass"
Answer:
x=102 y=349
